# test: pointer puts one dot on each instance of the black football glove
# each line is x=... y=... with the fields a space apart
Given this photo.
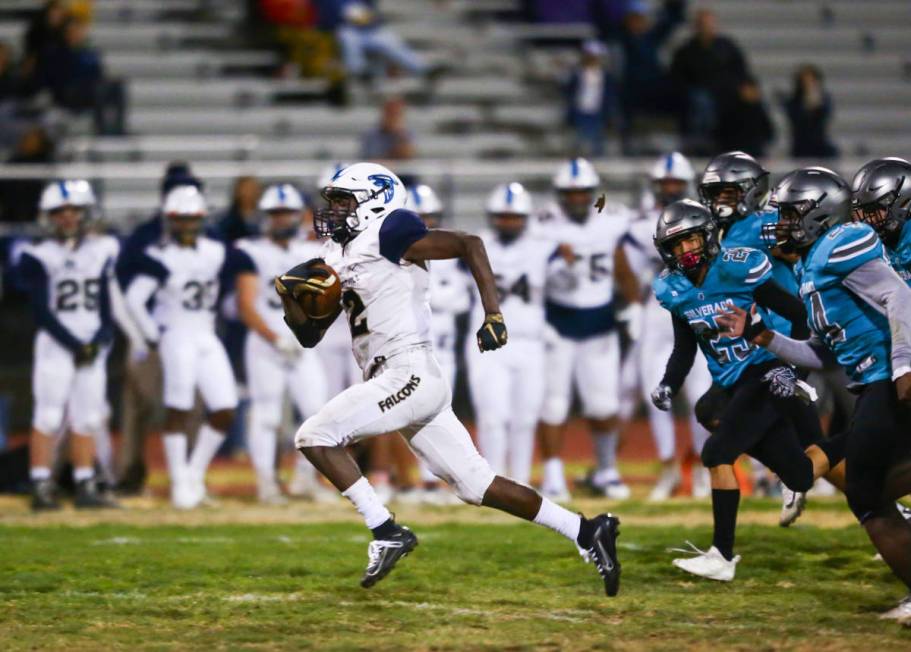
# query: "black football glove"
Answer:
x=492 y=334
x=302 y=279
x=782 y=382
x=86 y=354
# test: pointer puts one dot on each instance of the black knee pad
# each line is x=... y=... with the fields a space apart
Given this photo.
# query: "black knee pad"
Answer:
x=709 y=407
x=796 y=473
x=834 y=448
x=716 y=453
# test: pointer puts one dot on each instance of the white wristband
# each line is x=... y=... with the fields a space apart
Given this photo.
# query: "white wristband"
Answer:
x=901 y=371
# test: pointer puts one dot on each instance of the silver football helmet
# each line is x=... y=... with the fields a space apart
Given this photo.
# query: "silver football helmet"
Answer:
x=680 y=219
x=881 y=195
x=733 y=186
x=810 y=201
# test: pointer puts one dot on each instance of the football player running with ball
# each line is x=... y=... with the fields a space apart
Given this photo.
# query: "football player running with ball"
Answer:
x=275 y=362
x=860 y=313
x=762 y=412
x=380 y=252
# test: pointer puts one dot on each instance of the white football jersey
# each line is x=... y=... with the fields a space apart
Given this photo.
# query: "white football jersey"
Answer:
x=75 y=277
x=188 y=279
x=386 y=303
x=450 y=295
x=520 y=269
x=587 y=282
x=639 y=247
x=271 y=260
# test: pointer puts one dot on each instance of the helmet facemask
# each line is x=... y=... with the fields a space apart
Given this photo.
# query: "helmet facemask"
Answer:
x=509 y=227
x=185 y=229
x=687 y=255
x=669 y=190
x=724 y=200
x=885 y=214
x=67 y=222
x=338 y=220
x=576 y=202
x=794 y=229
x=282 y=223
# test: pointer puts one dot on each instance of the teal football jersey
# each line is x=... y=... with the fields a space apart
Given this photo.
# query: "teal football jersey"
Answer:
x=857 y=333
x=900 y=257
x=748 y=233
x=731 y=279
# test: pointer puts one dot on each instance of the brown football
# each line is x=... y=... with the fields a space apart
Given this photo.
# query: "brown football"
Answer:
x=314 y=305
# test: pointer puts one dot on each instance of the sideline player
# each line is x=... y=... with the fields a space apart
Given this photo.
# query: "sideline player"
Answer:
x=507 y=385
x=275 y=362
x=762 y=415
x=68 y=276
x=860 y=313
x=583 y=348
x=638 y=264
x=182 y=274
x=380 y=251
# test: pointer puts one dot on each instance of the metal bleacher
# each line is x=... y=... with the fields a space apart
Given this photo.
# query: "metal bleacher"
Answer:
x=198 y=92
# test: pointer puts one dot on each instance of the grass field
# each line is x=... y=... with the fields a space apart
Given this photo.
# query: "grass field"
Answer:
x=287 y=578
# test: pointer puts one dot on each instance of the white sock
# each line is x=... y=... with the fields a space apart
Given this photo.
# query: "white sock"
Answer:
x=104 y=452
x=365 y=500
x=520 y=452
x=554 y=479
x=207 y=443
x=175 y=452
x=559 y=519
x=81 y=473
x=662 y=425
x=606 y=449
x=261 y=441
x=40 y=473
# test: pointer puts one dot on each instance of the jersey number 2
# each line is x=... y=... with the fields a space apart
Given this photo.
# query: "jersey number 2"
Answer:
x=354 y=306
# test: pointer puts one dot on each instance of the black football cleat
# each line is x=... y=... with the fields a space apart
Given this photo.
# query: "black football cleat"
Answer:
x=383 y=554
x=603 y=551
x=89 y=496
x=44 y=496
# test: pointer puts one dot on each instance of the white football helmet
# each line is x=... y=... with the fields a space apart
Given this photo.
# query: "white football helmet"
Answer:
x=509 y=199
x=576 y=174
x=325 y=177
x=281 y=197
x=424 y=201
x=184 y=209
x=68 y=192
x=575 y=184
x=73 y=193
x=672 y=177
x=358 y=195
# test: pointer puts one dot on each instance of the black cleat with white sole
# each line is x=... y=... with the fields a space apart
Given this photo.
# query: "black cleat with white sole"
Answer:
x=603 y=551
x=383 y=554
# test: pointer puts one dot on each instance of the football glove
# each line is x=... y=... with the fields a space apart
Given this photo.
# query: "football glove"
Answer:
x=782 y=382
x=302 y=279
x=86 y=354
x=661 y=397
x=288 y=349
x=492 y=334
x=632 y=317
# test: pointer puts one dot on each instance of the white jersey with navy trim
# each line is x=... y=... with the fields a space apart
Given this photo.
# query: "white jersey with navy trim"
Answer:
x=75 y=276
x=580 y=292
x=188 y=283
x=270 y=260
x=450 y=295
x=385 y=298
x=639 y=247
x=520 y=269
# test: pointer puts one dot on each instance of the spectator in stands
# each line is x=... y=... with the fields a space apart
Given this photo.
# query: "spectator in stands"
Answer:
x=363 y=37
x=745 y=124
x=708 y=68
x=591 y=95
x=141 y=398
x=241 y=220
x=646 y=88
x=809 y=109
x=18 y=197
x=391 y=140
x=44 y=33
x=73 y=72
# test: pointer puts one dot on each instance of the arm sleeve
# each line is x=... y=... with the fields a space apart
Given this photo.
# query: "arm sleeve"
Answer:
x=401 y=229
x=772 y=296
x=35 y=281
x=138 y=294
x=105 y=332
x=682 y=357
x=878 y=284
x=807 y=354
